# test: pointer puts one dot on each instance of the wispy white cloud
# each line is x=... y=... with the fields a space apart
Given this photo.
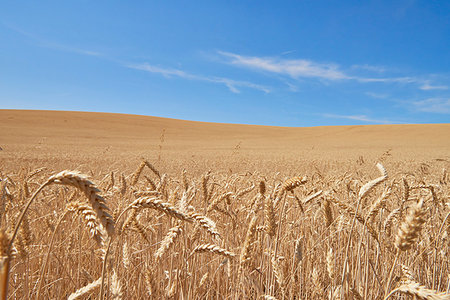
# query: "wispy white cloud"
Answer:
x=166 y=72
x=404 y=80
x=362 y=118
x=288 y=52
x=294 y=68
x=377 y=95
x=427 y=86
x=292 y=87
x=69 y=49
x=303 y=68
x=231 y=84
x=377 y=69
x=44 y=43
x=433 y=105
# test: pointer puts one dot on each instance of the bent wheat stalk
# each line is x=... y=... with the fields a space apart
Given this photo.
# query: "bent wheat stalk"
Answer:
x=143 y=202
x=417 y=290
x=362 y=192
x=92 y=193
x=158 y=204
x=81 y=182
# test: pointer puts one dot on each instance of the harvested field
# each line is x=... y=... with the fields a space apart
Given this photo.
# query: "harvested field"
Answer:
x=136 y=207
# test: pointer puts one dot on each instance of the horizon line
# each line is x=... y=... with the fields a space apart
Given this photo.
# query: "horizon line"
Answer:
x=218 y=123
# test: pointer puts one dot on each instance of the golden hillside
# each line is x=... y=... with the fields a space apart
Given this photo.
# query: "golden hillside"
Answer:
x=64 y=135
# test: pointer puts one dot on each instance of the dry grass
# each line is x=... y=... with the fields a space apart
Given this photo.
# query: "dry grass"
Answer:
x=242 y=225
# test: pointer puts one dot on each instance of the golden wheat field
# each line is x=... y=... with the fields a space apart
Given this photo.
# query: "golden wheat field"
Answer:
x=111 y=206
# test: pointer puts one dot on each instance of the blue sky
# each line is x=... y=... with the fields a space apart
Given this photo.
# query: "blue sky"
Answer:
x=284 y=63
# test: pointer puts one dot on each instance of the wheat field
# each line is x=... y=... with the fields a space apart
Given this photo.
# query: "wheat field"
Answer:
x=104 y=206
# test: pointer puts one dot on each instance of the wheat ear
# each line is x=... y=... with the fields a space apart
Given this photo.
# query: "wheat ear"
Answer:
x=269 y=217
x=84 y=290
x=217 y=200
x=168 y=241
x=213 y=249
x=92 y=193
x=262 y=188
x=244 y=191
x=330 y=265
x=407 y=234
x=126 y=256
x=116 y=287
x=327 y=212
x=390 y=218
x=205 y=179
x=268 y=297
x=416 y=290
x=373 y=183
x=154 y=170
x=137 y=174
x=250 y=237
x=158 y=204
x=410 y=228
x=291 y=184
x=207 y=224
x=311 y=197
x=374 y=209
x=96 y=231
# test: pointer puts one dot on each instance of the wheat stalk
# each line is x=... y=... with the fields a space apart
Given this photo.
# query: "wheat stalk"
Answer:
x=357 y=216
x=278 y=274
x=5 y=257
